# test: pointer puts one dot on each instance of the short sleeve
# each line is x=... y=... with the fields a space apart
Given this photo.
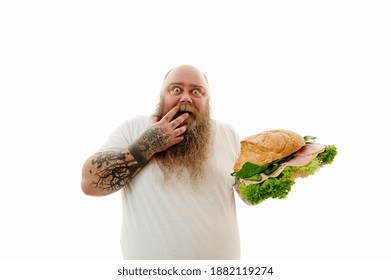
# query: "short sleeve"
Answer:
x=127 y=132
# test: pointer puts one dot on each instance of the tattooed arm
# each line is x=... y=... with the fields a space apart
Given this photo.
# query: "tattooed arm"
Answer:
x=107 y=172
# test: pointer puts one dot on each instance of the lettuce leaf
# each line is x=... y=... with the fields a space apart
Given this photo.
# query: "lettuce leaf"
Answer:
x=328 y=155
x=248 y=171
x=271 y=188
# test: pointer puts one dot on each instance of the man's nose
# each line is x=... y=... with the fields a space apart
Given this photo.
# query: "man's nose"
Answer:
x=186 y=98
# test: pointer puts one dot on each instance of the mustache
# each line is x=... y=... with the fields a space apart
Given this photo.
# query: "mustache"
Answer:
x=187 y=108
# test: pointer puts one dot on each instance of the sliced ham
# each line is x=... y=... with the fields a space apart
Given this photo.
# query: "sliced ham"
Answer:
x=311 y=148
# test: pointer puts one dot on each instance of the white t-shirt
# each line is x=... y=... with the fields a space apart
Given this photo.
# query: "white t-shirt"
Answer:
x=178 y=220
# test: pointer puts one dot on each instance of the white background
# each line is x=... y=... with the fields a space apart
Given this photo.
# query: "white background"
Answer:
x=71 y=71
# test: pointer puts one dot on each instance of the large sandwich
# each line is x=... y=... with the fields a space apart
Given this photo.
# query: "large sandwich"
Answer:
x=269 y=163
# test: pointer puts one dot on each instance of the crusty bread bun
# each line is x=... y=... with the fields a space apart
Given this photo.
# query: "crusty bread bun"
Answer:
x=268 y=146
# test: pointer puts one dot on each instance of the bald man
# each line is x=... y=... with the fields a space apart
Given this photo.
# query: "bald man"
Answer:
x=173 y=170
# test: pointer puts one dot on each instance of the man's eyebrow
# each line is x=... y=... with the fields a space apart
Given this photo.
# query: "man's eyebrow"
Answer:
x=182 y=84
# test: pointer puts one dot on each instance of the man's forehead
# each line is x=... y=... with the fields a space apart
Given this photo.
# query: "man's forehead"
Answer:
x=187 y=75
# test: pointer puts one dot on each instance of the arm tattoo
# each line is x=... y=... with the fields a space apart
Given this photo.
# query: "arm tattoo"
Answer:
x=114 y=170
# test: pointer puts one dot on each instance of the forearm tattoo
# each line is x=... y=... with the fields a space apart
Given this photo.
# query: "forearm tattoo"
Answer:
x=114 y=170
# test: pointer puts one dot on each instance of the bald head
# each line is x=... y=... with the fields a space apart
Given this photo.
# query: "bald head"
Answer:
x=187 y=86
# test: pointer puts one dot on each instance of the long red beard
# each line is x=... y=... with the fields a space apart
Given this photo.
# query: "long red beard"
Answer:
x=189 y=157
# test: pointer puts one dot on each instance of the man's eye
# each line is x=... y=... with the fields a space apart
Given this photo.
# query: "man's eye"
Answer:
x=196 y=92
x=176 y=90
